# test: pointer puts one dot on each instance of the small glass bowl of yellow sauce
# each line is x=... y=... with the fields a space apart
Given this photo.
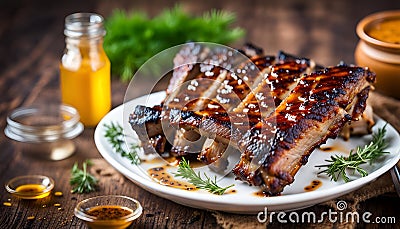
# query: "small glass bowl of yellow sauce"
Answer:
x=44 y=132
x=379 y=49
x=111 y=211
x=30 y=187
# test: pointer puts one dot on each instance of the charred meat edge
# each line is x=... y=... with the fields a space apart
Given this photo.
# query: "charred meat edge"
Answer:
x=317 y=109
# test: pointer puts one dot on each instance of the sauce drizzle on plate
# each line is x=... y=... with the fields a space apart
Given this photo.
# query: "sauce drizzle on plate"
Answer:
x=315 y=184
x=163 y=177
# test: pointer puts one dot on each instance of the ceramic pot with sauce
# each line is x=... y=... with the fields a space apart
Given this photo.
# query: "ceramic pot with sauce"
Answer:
x=379 y=49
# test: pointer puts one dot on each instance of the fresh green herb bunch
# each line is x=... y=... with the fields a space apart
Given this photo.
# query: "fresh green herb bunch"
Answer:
x=338 y=164
x=115 y=135
x=82 y=180
x=133 y=39
x=185 y=171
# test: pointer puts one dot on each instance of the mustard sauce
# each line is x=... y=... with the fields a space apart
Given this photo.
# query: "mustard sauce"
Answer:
x=315 y=184
x=231 y=191
x=88 y=90
x=160 y=175
x=260 y=194
x=109 y=216
x=106 y=212
x=173 y=161
x=263 y=194
x=85 y=68
x=31 y=191
x=386 y=31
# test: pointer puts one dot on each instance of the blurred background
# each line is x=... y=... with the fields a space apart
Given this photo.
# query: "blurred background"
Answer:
x=323 y=30
x=32 y=39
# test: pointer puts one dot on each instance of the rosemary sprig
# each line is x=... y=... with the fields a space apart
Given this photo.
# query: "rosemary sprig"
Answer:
x=115 y=135
x=82 y=181
x=185 y=171
x=338 y=164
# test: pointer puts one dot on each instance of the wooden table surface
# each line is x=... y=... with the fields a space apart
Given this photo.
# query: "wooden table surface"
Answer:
x=31 y=43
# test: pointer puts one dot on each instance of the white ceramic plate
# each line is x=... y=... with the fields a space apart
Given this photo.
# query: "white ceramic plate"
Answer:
x=244 y=199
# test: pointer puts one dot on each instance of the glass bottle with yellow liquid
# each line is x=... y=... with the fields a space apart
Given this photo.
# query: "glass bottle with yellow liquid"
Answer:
x=85 y=68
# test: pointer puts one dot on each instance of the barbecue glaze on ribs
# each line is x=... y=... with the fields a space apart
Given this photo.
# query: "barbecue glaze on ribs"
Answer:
x=317 y=109
x=274 y=143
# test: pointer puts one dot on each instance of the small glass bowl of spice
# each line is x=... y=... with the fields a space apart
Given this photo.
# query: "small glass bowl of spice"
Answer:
x=44 y=132
x=30 y=187
x=112 y=211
